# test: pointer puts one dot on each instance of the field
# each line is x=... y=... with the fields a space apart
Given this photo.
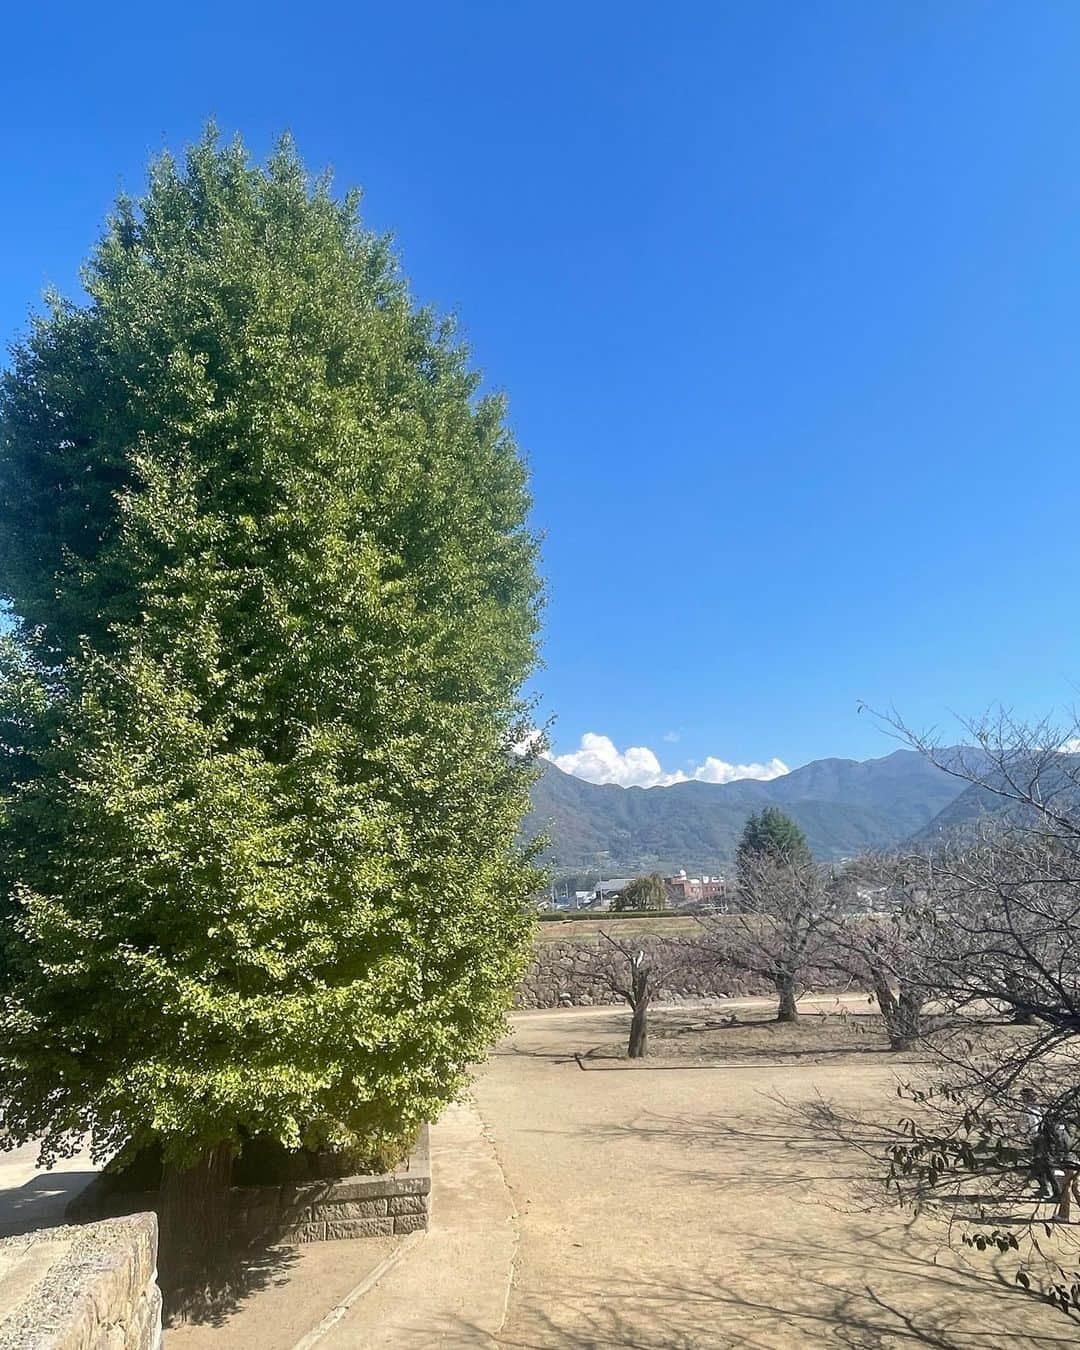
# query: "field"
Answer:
x=587 y=927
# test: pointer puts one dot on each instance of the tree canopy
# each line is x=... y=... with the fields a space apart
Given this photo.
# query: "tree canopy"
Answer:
x=772 y=834
x=276 y=594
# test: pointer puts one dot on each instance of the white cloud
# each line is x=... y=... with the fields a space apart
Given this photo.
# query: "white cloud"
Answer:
x=672 y=736
x=598 y=760
x=1070 y=747
x=714 y=770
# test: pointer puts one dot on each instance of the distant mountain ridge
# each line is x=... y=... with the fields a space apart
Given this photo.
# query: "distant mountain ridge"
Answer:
x=843 y=805
x=979 y=802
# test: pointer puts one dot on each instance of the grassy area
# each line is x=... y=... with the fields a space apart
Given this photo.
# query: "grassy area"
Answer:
x=583 y=927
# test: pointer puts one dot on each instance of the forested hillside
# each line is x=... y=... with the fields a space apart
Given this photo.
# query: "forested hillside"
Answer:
x=843 y=806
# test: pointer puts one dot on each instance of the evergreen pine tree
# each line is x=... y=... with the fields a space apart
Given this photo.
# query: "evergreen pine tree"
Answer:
x=772 y=834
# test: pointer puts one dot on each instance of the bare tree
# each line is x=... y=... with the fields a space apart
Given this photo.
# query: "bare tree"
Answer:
x=1004 y=887
x=638 y=974
x=881 y=943
x=779 y=924
x=999 y=937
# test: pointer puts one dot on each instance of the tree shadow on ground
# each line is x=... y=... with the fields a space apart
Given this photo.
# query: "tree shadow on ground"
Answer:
x=886 y=1295
x=771 y=1126
x=217 y=1293
x=40 y=1202
x=686 y=1041
x=856 y=1165
x=657 y=1062
x=512 y=1051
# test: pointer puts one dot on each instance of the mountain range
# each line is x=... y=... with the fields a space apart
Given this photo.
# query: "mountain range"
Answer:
x=842 y=805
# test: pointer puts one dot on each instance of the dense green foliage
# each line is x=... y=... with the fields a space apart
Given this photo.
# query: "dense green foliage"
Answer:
x=276 y=594
x=772 y=834
x=843 y=806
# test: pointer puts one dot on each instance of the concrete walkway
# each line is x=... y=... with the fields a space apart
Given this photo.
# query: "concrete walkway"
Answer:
x=31 y=1197
x=452 y=1288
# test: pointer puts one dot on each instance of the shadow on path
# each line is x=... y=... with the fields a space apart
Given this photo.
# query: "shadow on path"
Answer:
x=41 y=1201
x=240 y=1274
x=904 y=1299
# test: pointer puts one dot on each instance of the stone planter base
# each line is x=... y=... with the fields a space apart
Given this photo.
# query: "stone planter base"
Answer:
x=311 y=1211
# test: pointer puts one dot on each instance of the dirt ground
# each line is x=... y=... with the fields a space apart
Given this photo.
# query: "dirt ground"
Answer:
x=676 y=1203
x=286 y=1293
x=833 y=1033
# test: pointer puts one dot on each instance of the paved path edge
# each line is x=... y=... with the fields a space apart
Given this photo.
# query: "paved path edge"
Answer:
x=455 y=1286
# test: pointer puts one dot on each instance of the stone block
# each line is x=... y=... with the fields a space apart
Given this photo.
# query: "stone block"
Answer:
x=337 y=1229
x=406 y=1204
x=144 y=1329
x=297 y=1233
x=351 y=1209
x=406 y=1185
x=80 y=1326
x=410 y=1223
x=147 y=1247
x=98 y=1291
x=112 y=1284
x=302 y=1195
x=358 y=1188
x=293 y=1215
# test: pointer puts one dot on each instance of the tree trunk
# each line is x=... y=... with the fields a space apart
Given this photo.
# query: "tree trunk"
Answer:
x=908 y=1021
x=641 y=995
x=786 y=1011
x=195 y=1215
x=639 y=1032
x=1019 y=993
x=903 y=1015
x=886 y=1000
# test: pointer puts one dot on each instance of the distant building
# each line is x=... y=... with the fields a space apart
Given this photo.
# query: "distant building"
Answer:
x=607 y=891
x=703 y=890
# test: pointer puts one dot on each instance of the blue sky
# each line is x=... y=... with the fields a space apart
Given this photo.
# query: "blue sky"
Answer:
x=784 y=296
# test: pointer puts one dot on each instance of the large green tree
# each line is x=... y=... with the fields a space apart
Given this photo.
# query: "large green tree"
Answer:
x=771 y=834
x=276 y=596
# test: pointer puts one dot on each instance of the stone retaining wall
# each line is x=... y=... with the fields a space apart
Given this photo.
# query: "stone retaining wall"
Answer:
x=92 y=1287
x=571 y=974
x=314 y=1211
x=350 y=1207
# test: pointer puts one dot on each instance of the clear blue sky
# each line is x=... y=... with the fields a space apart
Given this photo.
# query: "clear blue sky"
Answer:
x=784 y=295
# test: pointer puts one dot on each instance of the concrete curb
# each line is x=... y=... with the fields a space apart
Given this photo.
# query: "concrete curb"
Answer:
x=334 y=1316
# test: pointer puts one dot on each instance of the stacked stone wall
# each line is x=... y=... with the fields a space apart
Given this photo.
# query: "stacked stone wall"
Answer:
x=324 y=1211
x=87 y=1288
x=316 y=1211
